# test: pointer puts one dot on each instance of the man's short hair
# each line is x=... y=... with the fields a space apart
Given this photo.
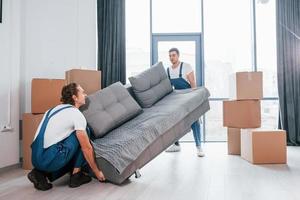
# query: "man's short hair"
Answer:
x=174 y=49
x=67 y=93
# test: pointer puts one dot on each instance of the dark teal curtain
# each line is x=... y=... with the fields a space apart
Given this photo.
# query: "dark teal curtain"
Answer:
x=288 y=67
x=111 y=41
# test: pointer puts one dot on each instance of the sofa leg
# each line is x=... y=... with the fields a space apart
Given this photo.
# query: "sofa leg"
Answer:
x=137 y=173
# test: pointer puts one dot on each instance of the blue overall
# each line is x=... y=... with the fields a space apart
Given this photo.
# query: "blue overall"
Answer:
x=179 y=84
x=59 y=158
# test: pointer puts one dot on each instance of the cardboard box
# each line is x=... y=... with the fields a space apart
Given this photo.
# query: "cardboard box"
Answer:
x=242 y=114
x=29 y=125
x=234 y=141
x=89 y=80
x=45 y=94
x=246 y=85
x=263 y=146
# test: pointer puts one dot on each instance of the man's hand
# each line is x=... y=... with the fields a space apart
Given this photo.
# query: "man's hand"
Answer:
x=88 y=153
x=100 y=176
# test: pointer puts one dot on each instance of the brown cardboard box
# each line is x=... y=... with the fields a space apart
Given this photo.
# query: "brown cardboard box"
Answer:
x=246 y=85
x=89 y=80
x=45 y=94
x=263 y=146
x=242 y=114
x=30 y=124
x=234 y=141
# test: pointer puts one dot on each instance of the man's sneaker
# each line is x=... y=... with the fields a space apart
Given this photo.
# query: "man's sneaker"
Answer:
x=174 y=148
x=79 y=179
x=39 y=180
x=200 y=152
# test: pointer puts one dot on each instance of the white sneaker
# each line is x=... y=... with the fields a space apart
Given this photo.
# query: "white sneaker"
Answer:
x=174 y=148
x=200 y=152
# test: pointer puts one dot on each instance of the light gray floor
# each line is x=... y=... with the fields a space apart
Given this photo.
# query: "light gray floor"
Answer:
x=179 y=176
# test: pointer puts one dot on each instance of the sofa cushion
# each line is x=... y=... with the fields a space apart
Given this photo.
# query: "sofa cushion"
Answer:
x=109 y=108
x=151 y=85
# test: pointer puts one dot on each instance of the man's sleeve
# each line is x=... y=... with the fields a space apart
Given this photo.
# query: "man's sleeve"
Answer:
x=188 y=69
x=79 y=122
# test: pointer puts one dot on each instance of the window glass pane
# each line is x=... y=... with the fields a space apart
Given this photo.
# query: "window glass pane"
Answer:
x=266 y=45
x=137 y=39
x=189 y=136
x=269 y=114
x=176 y=16
x=214 y=122
x=227 y=42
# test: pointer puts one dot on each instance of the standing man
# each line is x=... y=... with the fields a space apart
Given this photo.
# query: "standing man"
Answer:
x=61 y=143
x=182 y=76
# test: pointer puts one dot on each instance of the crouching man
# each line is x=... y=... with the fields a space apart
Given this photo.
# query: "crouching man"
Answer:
x=61 y=143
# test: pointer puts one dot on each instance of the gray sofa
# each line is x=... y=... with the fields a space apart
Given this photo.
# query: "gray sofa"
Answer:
x=132 y=125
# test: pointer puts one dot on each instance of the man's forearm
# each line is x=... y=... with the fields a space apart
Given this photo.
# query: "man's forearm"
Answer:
x=89 y=157
x=193 y=84
x=191 y=79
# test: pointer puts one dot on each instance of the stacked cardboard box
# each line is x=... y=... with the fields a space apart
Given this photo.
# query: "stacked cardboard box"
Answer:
x=241 y=113
x=45 y=94
x=243 y=110
x=89 y=80
x=30 y=125
x=234 y=141
x=242 y=116
x=246 y=86
x=263 y=146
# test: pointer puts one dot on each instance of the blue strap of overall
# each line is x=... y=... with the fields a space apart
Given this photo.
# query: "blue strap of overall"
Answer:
x=46 y=120
x=38 y=144
x=179 y=83
x=180 y=71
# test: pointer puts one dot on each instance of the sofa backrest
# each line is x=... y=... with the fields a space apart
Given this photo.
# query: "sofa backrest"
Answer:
x=130 y=90
x=151 y=85
x=109 y=108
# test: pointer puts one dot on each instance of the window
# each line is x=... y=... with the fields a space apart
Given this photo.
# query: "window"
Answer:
x=214 y=122
x=176 y=16
x=269 y=114
x=267 y=60
x=266 y=45
x=137 y=36
x=227 y=43
x=228 y=47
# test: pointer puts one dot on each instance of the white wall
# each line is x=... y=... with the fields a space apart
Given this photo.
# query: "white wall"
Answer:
x=9 y=81
x=57 y=35
x=40 y=39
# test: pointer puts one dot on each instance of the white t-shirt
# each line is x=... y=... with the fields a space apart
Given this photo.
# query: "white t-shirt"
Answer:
x=62 y=124
x=186 y=69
